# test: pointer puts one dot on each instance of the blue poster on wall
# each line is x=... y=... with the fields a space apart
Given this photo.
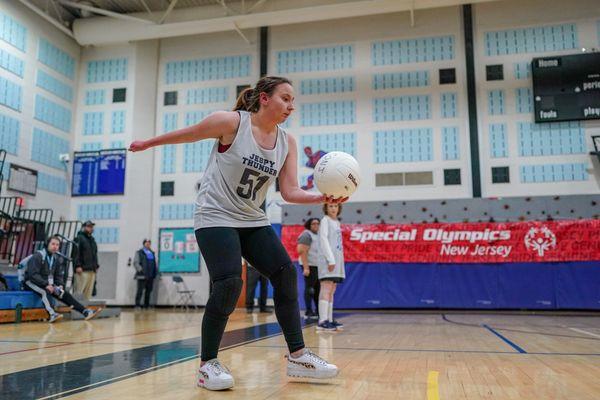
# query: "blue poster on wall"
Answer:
x=178 y=251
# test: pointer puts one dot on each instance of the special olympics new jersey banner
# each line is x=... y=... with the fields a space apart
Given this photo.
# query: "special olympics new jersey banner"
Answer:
x=530 y=241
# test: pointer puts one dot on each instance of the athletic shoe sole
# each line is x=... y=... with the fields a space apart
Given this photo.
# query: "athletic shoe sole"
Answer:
x=221 y=386
x=319 y=329
x=308 y=373
x=93 y=315
x=58 y=317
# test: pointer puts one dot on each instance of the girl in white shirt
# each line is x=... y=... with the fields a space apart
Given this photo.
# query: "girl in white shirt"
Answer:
x=331 y=267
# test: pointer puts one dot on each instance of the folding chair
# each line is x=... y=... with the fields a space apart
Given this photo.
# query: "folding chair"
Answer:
x=186 y=296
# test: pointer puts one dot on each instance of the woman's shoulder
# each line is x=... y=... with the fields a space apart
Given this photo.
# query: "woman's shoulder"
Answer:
x=228 y=117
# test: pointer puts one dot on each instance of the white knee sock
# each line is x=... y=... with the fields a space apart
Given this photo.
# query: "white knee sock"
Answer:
x=323 y=310
x=330 y=312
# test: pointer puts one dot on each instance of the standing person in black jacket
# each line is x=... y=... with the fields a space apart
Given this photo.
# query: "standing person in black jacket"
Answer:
x=85 y=261
x=146 y=270
x=44 y=275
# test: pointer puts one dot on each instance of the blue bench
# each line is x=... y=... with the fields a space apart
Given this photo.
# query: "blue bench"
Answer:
x=10 y=299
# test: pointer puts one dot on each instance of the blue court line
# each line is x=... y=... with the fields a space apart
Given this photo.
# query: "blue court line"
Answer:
x=504 y=328
x=511 y=344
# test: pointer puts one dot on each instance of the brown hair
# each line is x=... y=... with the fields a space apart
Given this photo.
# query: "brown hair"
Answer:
x=309 y=222
x=249 y=99
x=339 y=208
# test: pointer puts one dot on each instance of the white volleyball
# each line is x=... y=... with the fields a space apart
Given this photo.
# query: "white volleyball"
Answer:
x=337 y=174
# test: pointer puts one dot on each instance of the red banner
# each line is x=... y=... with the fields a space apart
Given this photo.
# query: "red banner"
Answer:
x=531 y=241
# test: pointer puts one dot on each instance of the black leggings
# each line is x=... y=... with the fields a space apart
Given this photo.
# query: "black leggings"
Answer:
x=223 y=249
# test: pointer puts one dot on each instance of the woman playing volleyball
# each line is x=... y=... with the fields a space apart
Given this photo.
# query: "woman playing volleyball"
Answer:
x=251 y=151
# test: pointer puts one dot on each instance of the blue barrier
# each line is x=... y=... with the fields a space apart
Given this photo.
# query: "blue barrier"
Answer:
x=573 y=285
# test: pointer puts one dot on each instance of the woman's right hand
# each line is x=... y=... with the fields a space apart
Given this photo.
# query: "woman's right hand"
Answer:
x=138 y=145
x=334 y=200
x=331 y=267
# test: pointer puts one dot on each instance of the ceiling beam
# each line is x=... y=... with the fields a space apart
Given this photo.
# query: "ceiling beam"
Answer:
x=256 y=5
x=238 y=30
x=48 y=18
x=104 y=12
x=146 y=6
x=58 y=14
x=100 y=31
x=225 y=7
x=166 y=14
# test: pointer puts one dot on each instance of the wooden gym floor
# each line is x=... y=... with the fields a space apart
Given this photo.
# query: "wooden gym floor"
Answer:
x=382 y=355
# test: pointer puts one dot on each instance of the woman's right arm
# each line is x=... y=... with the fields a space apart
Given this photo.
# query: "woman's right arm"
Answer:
x=216 y=125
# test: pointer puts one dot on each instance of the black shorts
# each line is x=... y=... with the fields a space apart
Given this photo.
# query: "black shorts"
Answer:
x=333 y=279
x=223 y=248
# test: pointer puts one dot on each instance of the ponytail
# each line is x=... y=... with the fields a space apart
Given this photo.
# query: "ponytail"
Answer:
x=249 y=99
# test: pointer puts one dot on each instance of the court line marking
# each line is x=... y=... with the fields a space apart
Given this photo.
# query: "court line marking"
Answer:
x=506 y=340
x=585 y=332
x=32 y=341
x=101 y=343
x=433 y=392
x=98 y=339
x=61 y=344
x=153 y=368
x=447 y=351
x=403 y=350
x=504 y=328
x=143 y=371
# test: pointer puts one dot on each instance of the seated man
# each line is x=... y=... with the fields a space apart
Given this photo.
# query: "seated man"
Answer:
x=44 y=276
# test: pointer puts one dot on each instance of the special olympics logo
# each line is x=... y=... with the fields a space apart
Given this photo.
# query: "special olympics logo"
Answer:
x=540 y=240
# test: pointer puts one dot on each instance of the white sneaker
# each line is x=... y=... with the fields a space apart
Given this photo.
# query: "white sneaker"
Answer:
x=55 y=317
x=310 y=365
x=214 y=376
x=88 y=313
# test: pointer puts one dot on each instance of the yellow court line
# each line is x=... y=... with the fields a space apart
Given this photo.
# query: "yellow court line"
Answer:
x=433 y=392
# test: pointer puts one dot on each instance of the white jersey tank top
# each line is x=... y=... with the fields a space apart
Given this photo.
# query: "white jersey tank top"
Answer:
x=235 y=183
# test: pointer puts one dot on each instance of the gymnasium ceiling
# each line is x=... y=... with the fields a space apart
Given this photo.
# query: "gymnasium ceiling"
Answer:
x=99 y=22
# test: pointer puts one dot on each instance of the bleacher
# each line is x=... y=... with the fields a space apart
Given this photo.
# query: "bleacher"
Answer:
x=23 y=231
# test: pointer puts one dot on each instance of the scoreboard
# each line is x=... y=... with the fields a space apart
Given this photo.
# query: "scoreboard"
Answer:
x=566 y=88
x=97 y=173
